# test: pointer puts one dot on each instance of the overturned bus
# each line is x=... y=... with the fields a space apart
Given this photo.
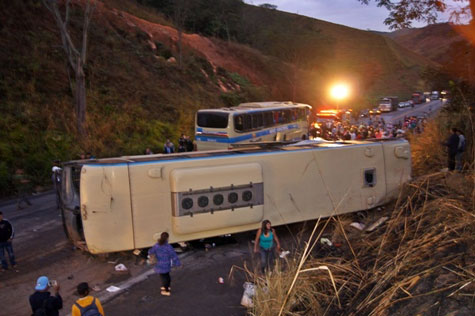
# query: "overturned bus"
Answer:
x=125 y=203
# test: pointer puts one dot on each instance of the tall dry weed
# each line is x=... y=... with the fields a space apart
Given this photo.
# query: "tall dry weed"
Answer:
x=428 y=152
x=421 y=259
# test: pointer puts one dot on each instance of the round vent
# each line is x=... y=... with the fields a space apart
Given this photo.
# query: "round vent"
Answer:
x=246 y=196
x=187 y=203
x=232 y=197
x=218 y=199
x=203 y=201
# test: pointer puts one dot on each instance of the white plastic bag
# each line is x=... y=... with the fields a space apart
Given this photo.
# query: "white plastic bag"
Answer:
x=249 y=292
x=120 y=268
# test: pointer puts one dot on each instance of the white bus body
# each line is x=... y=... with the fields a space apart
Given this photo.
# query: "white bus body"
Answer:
x=125 y=203
x=250 y=123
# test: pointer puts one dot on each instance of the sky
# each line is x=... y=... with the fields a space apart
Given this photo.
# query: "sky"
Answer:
x=347 y=12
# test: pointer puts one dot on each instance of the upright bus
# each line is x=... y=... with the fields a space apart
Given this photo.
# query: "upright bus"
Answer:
x=388 y=104
x=251 y=123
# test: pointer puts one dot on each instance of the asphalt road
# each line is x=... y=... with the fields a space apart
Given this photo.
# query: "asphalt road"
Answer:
x=428 y=109
x=41 y=248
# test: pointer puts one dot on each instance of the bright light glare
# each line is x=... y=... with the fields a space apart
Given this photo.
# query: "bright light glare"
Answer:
x=339 y=91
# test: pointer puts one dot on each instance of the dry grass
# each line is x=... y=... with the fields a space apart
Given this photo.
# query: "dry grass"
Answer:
x=428 y=154
x=421 y=258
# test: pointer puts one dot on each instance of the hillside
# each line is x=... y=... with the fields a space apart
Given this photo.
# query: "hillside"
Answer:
x=432 y=41
x=138 y=95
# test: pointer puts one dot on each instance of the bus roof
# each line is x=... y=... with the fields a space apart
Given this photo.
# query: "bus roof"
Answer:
x=244 y=107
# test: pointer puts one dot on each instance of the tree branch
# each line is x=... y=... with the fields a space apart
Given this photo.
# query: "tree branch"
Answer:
x=87 y=18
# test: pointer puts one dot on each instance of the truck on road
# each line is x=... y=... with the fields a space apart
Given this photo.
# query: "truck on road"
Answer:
x=418 y=97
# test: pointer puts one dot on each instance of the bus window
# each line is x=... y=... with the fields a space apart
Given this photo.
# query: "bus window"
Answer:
x=212 y=119
x=242 y=122
x=276 y=117
x=286 y=116
x=257 y=121
x=302 y=114
x=238 y=124
x=268 y=118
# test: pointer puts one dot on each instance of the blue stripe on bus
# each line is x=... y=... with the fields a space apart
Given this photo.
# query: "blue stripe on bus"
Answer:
x=231 y=140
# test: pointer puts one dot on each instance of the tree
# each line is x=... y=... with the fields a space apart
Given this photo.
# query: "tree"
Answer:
x=75 y=55
x=402 y=13
x=268 y=6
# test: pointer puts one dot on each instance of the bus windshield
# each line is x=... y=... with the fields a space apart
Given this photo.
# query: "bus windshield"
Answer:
x=212 y=119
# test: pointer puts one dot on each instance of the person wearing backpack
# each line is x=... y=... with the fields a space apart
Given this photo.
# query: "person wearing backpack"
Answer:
x=42 y=302
x=86 y=305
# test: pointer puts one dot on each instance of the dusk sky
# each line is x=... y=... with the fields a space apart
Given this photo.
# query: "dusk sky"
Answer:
x=347 y=12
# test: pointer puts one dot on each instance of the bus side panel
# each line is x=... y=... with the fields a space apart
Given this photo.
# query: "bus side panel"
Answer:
x=105 y=208
x=322 y=182
x=398 y=166
x=150 y=191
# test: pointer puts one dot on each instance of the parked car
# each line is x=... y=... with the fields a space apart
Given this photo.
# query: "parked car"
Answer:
x=364 y=113
x=374 y=111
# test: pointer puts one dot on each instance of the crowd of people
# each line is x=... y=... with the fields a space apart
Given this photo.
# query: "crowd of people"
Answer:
x=184 y=144
x=375 y=127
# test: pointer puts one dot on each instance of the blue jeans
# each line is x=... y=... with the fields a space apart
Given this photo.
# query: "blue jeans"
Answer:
x=458 y=161
x=267 y=258
x=8 y=247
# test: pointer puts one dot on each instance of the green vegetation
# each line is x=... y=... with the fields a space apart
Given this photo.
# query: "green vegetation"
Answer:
x=136 y=98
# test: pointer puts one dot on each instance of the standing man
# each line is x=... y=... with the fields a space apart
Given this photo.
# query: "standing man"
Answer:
x=86 y=304
x=42 y=302
x=460 y=150
x=169 y=148
x=6 y=236
x=452 y=145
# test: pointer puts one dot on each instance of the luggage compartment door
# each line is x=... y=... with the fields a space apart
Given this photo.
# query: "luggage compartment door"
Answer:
x=213 y=198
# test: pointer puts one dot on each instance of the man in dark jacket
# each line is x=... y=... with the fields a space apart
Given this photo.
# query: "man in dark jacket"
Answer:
x=43 y=300
x=6 y=235
x=452 y=145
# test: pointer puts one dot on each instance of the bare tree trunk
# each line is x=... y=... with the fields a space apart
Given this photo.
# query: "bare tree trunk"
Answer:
x=76 y=58
x=80 y=99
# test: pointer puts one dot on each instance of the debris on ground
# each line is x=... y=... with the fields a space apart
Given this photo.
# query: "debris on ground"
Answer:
x=284 y=253
x=326 y=241
x=357 y=225
x=113 y=289
x=376 y=224
x=120 y=268
x=249 y=292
